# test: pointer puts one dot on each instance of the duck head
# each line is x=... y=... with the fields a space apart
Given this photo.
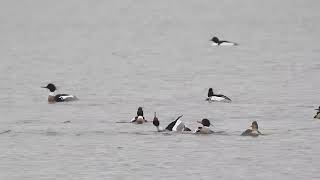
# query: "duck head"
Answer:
x=51 y=87
x=215 y=39
x=210 y=92
x=254 y=125
x=205 y=122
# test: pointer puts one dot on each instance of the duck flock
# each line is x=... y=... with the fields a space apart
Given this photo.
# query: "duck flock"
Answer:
x=177 y=125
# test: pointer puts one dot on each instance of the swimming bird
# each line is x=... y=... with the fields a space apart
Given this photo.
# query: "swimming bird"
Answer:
x=217 y=42
x=139 y=119
x=317 y=116
x=156 y=122
x=253 y=131
x=205 y=127
x=216 y=97
x=59 y=97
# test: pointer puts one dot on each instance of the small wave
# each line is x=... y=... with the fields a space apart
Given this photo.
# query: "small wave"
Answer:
x=4 y=132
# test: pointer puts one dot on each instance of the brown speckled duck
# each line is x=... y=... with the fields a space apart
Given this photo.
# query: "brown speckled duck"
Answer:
x=253 y=131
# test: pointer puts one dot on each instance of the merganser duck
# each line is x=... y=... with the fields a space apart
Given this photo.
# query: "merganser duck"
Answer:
x=253 y=131
x=317 y=116
x=139 y=119
x=205 y=127
x=59 y=97
x=176 y=126
x=217 y=42
x=216 y=97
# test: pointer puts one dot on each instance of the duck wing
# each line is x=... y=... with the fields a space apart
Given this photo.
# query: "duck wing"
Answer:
x=228 y=43
x=223 y=96
x=65 y=97
x=172 y=124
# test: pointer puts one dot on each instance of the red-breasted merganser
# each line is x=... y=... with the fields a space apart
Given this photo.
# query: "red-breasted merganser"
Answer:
x=59 y=97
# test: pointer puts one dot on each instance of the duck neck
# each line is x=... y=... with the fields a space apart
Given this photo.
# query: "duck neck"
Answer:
x=51 y=97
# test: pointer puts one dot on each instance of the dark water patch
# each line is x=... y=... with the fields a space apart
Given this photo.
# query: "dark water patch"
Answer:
x=27 y=121
x=128 y=122
x=135 y=133
x=4 y=132
x=97 y=132
x=52 y=133
x=305 y=106
x=95 y=104
x=223 y=133
x=123 y=122
x=303 y=129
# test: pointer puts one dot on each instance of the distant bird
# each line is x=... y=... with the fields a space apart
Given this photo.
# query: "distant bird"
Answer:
x=253 y=131
x=317 y=116
x=59 y=97
x=156 y=122
x=139 y=119
x=217 y=42
x=205 y=127
x=216 y=97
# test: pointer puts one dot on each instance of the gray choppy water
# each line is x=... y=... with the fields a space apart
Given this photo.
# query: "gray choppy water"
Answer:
x=118 y=55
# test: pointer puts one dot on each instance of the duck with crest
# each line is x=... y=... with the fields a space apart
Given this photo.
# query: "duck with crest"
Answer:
x=52 y=98
x=217 y=42
x=216 y=97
